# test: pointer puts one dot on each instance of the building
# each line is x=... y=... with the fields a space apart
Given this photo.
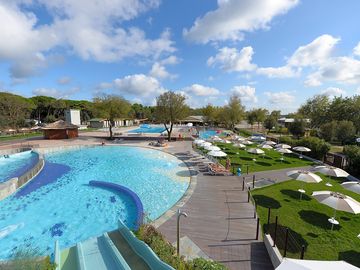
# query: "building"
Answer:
x=285 y=122
x=103 y=123
x=60 y=130
x=196 y=120
x=73 y=117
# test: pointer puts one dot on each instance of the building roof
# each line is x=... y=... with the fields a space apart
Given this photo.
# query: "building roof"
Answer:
x=61 y=124
x=96 y=120
x=194 y=118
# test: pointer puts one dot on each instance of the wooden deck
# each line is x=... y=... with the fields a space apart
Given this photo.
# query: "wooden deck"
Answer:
x=221 y=222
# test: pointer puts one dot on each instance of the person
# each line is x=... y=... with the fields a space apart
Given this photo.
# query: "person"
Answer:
x=102 y=143
x=239 y=171
x=179 y=136
x=228 y=164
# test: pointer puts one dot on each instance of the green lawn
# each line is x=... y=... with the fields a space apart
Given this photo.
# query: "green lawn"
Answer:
x=307 y=219
x=271 y=160
x=19 y=136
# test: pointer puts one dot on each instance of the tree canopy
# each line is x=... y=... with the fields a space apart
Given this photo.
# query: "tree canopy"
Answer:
x=170 y=108
x=111 y=107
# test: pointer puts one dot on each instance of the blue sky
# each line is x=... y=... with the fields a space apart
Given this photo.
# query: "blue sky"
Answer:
x=272 y=53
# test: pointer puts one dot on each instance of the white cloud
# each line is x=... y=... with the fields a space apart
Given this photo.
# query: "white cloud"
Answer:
x=139 y=85
x=245 y=92
x=201 y=90
x=356 y=50
x=278 y=72
x=233 y=17
x=56 y=93
x=279 y=98
x=230 y=59
x=357 y=91
x=171 y=60
x=83 y=27
x=64 y=80
x=313 y=54
x=333 y=91
x=345 y=70
x=159 y=71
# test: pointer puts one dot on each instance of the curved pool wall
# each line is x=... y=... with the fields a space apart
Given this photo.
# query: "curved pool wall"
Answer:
x=29 y=165
x=119 y=188
x=59 y=204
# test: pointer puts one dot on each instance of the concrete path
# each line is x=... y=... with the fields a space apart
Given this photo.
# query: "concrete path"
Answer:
x=271 y=177
x=220 y=220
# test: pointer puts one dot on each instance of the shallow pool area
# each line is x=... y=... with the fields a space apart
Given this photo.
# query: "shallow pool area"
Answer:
x=15 y=165
x=148 y=129
x=59 y=204
x=208 y=133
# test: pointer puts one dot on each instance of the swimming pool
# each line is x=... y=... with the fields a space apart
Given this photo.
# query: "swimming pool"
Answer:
x=206 y=134
x=148 y=129
x=16 y=164
x=60 y=204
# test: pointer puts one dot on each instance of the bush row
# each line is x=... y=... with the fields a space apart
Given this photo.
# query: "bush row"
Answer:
x=353 y=154
x=166 y=251
x=319 y=147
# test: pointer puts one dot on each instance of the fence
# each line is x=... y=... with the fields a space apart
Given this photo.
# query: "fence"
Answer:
x=289 y=243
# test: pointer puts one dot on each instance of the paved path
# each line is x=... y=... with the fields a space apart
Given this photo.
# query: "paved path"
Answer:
x=220 y=220
x=271 y=177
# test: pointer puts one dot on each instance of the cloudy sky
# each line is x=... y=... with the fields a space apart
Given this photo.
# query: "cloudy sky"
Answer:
x=272 y=53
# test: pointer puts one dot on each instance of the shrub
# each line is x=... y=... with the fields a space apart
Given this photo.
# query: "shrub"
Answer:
x=297 y=128
x=28 y=259
x=345 y=131
x=244 y=132
x=202 y=264
x=318 y=147
x=353 y=154
x=166 y=251
x=288 y=140
x=328 y=131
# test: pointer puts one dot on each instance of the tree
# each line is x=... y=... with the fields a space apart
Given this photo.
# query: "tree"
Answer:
x=345 y=131
x=251 y=117
x=170 y=108
x=233 y=112
x=271 y=120
x=13 y=110
x=328 y=131
x=316 y=109
x=297 y=128
x=111 y=107
x=260 y=116
x=209 y=113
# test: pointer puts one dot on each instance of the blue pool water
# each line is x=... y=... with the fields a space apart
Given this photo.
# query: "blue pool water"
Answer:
x=206 y=134
x=17 y=164
x=148 y=129
x=59 y=203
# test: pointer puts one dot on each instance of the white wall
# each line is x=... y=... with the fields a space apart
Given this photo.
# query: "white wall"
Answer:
x=73 y=117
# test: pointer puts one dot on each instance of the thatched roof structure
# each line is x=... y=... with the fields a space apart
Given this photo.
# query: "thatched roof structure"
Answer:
x=61 y=124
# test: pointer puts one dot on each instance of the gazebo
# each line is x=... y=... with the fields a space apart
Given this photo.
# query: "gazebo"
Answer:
x=60 y=130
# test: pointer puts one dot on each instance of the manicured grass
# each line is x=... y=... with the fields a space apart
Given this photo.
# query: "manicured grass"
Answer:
x=336 y=148
x=20 y=136
x=271 y=161
x=307 y=219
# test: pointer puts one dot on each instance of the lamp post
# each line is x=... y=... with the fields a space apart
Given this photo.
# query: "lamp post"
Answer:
x=179 y=214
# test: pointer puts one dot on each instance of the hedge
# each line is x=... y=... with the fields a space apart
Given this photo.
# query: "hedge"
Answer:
x=167 y=254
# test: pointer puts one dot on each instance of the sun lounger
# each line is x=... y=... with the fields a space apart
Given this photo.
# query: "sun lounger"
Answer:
x=217 y=169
